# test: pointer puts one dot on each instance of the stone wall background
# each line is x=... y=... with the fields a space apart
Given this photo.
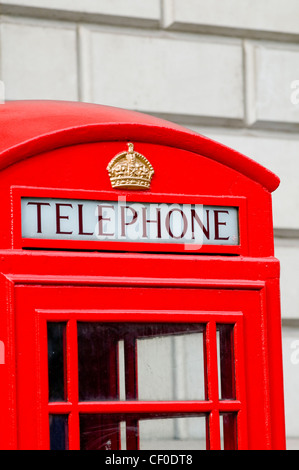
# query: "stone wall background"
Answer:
x=228 y=69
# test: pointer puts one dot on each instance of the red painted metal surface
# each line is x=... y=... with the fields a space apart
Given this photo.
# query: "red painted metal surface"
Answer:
x=61 y=150
x=30 y=128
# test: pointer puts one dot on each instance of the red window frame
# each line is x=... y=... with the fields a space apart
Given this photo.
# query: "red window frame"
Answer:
x=212 y=407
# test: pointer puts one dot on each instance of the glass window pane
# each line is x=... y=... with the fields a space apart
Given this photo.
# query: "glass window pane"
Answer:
x=121 y=432
x=58 y=432
x=184 y=433
x=226 y=361
x=228 y=428
x=140 y=361
x=99 y=432
x=171 y=364
x=56 y=361
x=97 y=361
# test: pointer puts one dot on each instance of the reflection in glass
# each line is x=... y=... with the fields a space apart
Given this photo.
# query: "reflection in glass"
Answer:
x=226 y=363
x=56 y=361
x=58 y=432
x=171 y=366
x=99 y=432
x=140 y=361
x=129 y=432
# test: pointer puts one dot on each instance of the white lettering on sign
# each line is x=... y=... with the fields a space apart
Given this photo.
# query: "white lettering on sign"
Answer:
x=72 y=219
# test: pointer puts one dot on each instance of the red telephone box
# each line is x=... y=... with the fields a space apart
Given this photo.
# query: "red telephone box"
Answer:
x=140 y=302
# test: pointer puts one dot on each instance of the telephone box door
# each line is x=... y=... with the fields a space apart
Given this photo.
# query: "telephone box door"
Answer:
x=140 y=366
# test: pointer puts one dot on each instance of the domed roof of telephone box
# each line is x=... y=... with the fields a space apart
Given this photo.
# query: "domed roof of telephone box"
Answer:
x=32 y=127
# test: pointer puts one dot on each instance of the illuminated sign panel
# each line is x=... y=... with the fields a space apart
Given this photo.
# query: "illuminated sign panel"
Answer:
x=74 y=219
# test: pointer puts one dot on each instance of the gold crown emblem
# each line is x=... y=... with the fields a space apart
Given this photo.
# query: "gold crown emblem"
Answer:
x=130 y=170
